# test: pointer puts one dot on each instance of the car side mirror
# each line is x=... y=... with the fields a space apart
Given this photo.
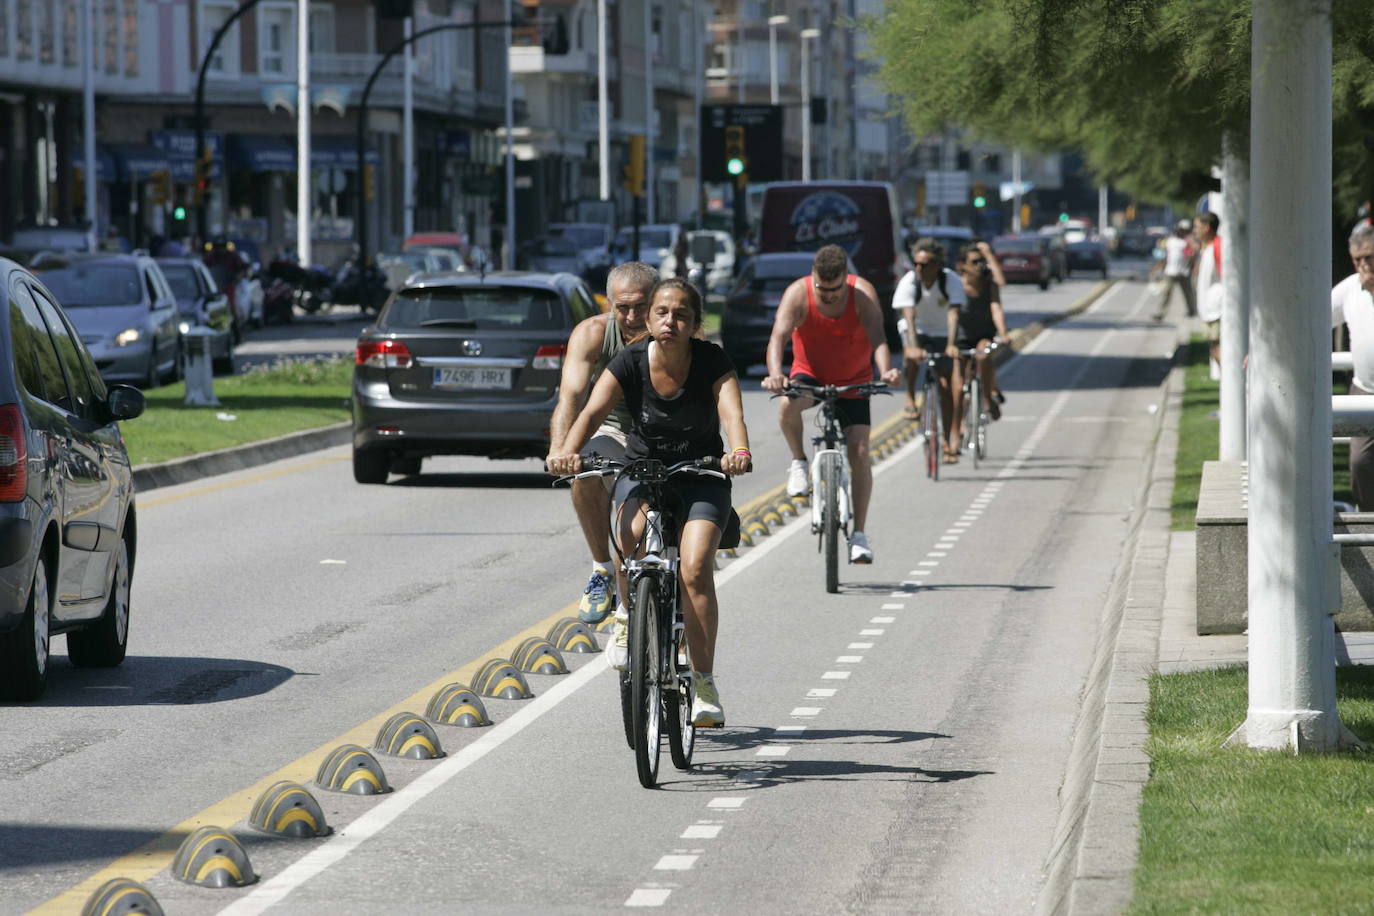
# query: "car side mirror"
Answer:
x=125 y=402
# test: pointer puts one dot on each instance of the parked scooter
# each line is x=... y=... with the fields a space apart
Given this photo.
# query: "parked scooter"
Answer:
x=367 y=289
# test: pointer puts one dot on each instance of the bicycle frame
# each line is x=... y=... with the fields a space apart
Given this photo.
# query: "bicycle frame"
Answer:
x=831 y=449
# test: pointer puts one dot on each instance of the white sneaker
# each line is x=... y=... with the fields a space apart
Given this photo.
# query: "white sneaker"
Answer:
x=706 y=709
x=859 y=551
x=798 y=478
x=618 y=649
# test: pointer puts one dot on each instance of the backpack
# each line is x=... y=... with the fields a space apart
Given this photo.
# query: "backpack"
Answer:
x=942 y=283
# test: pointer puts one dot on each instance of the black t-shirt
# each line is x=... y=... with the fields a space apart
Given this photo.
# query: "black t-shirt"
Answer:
x=679 y=428
x=975 y=315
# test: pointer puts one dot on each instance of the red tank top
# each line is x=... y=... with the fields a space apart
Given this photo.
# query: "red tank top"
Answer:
x=834 y=351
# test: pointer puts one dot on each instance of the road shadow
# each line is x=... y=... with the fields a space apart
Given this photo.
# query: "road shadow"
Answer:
x=149 y=680
x=883 y=589
x=1049 y=371
x=478 y=480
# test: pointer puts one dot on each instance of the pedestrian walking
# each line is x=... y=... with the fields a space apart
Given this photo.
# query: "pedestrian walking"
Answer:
x=1177 y=270
x=1353 y=305
x=1211 y=293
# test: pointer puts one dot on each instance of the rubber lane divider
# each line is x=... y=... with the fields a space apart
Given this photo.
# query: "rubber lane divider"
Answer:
x=353 y=770
x=213 y=857
x=407 y=735
x=120 y=896
x=572 y=635
x=499 y=679
x=157 y=854
x=288 y=809
x=537 y=655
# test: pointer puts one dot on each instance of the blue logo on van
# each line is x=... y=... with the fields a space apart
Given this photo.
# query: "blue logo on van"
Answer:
x=827 y=218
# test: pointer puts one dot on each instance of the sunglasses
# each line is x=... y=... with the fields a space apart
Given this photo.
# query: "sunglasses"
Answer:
x=826 y=290
x=977 y=261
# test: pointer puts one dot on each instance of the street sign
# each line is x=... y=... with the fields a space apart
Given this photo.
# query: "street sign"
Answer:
x=946 y=188
x=761 y=130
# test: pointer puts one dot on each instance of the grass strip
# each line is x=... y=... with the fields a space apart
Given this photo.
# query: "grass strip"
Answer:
x=1231 y=830
x=287 y=397
x=1199 y=438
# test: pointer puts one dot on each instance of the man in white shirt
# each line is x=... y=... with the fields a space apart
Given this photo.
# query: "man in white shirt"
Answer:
x=1211 y=293
x=927 y=301
x=1177 y=270
x=1353 y=305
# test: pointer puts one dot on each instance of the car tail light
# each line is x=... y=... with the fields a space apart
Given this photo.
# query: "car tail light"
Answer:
x=383 y=354
x=14 y=482
x=549 y=356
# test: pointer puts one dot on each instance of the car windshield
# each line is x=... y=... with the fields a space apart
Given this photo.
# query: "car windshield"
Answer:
x=556 y=245
x=182 y=279
x=480 y=308
x=581 y=236
x=415 y=260
x=1017 y=246
x=81 y=285
x=648 y=238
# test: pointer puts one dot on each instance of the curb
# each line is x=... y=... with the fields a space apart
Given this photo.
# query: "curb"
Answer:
x=1091 y=868
x=240 y=457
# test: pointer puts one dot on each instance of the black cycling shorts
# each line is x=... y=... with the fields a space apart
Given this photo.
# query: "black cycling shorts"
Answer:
x=849 y=411
x=969 y=338
x=689 y=498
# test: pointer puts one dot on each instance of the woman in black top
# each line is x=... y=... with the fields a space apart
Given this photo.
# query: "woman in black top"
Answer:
x=981 y=321
x=681 y=391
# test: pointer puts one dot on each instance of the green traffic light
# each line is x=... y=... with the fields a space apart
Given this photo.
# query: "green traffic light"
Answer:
x=735 y=166
x=179 y=213
x=980 y=202
x=1063 y=217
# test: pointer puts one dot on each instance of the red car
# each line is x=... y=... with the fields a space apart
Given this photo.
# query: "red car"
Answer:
x=1024 y=258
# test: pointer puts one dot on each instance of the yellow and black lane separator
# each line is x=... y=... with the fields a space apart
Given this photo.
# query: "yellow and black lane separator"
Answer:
x=407 y=735
x=572 y=635
x=122 y=897
x=456 y=704
x=288 y=809
x=213 y=857
x=352 y=769
x=500 y=679
x=538 y=656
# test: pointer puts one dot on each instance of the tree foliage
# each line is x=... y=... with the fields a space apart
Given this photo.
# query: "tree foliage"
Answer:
x=1146 y=89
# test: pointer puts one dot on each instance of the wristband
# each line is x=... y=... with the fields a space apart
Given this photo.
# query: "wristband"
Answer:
x=743 y=451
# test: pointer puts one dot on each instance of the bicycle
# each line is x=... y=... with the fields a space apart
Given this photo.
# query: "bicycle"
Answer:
x=976 y=415
x=928 y=383
x=831 y=500
x=657 y=683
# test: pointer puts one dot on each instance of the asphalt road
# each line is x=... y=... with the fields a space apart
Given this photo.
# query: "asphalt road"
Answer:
x=896 y=747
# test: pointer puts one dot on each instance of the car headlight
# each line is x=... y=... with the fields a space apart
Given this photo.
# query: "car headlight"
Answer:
x=124 y=338
x=184 y=327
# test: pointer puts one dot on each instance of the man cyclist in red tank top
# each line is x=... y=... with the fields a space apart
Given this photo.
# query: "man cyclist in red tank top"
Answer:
x=836 y=330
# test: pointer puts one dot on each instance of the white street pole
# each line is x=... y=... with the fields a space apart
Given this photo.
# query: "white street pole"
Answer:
x=603 y=115
x=1292 y=560
x=304 y=197
x=699 y=29
x=408 y=136
x=1235 y=313
x=807 y=35
x=650 y=134
x=1101 y=209
x=739 y=65
x=773 y=23
x=1016 y=193
x=508 y=258
x=87 y=36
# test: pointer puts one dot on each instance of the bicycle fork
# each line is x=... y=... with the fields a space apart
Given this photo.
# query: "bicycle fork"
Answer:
x=840 y=461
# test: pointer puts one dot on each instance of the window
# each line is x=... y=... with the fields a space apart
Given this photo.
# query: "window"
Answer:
x=110 y=11
x=47 y=33
x=130 y=31
x=478 y=308
x=226 y=59
x=276 y=40
x=4 y=29
x=23 y=29
x=70 y=33
x=36 y=363
x=582 y=303
x=82 y=403
x=321 y=29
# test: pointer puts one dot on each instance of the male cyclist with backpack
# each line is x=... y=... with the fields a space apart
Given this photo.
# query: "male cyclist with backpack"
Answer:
x=928 y=300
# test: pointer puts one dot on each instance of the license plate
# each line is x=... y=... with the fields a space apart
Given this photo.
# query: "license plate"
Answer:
x=472 y=378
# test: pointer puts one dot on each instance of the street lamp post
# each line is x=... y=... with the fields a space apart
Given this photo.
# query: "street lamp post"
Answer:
x=807 y=36
x=773 y=23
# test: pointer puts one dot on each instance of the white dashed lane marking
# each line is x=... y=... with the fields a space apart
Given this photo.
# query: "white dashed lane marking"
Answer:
x=649 y=896
x=727 y=802
x=820 y=693
x=893 y=607
x=860 y=645
x=836 y=676
x=676 y=863
x=773 y=750
x=701 y=832
x=849 y=659
x=808 y=711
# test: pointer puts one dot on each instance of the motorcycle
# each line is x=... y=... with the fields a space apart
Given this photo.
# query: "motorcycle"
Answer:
x=367 y=289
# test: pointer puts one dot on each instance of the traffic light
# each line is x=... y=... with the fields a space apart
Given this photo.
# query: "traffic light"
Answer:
x=1063 y=217
x=1130 y=213
x=160 y=187
x=635 y=167
x=205 y=167
x=179 y=212
x=736 y=162
x=369 y=180
x=980 y=195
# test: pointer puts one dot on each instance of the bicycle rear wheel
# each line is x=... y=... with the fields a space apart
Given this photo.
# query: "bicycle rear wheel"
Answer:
x=682 y=734
x=973 y=417
x=830 y=523
x=930 y=431
x=645 y=690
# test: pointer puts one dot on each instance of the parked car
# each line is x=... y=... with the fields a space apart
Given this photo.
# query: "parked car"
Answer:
x=1135 y=242
x=399 y=266
x=199 y=302
x=746 y=320
x=552 y=254
x=719 y=270
x=593 y=241
x=954 y=238
x=1024 y=258
x=124 y=310
x=68 y=529
x=1090 y=255
x=656 y=242
x=30 y=240
x=1059 y=257
x=474 y=257
x=462 y=364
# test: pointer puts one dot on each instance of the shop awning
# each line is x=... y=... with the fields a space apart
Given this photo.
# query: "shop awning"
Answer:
x=105 y=169
x=136 y=161
x=338 y=153
x=253 y=153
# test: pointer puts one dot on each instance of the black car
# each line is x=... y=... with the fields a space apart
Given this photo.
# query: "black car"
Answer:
x=200 y=303
x=462 y=364
x=1086 y=255
x=68 y=529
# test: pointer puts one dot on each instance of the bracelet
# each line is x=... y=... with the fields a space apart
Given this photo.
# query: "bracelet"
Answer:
x=743 y=451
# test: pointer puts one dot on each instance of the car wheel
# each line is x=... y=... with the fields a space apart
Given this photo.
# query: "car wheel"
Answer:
x=24 y=650
x=406 y=466
x=102 y=644
x=1044 y=283
x=370 y=465
x=150 y=376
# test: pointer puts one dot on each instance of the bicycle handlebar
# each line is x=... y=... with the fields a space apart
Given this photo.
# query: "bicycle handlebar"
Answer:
x=975 y=351
x=650 y=469
x=799 y=389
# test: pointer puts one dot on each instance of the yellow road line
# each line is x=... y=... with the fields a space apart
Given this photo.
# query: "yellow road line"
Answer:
x=157 y=854
x=228 y=484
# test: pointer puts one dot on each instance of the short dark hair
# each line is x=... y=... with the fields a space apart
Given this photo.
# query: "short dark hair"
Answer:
x=831 y=263
x=929 y=246
x=1211 y=219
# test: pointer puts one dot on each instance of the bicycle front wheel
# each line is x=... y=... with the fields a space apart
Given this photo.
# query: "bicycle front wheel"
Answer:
x=830 y=523
x=930 y=431
x=682 y=734
x=646 y=696
x=973 y=422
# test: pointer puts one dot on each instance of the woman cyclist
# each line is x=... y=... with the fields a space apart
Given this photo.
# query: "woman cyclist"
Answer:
x=681 y=392
x=981 y=321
